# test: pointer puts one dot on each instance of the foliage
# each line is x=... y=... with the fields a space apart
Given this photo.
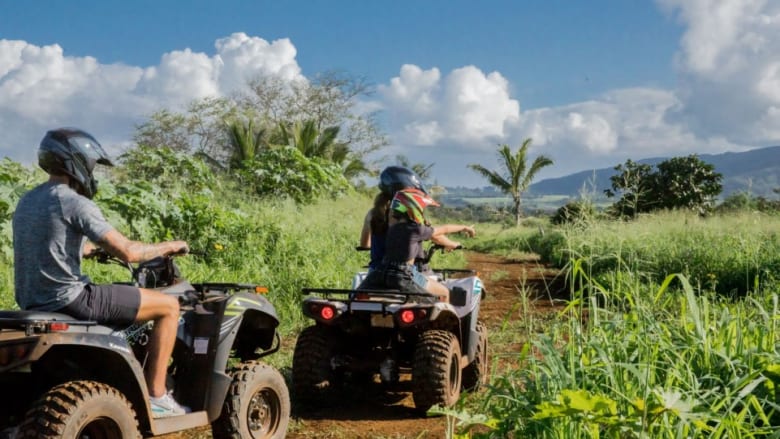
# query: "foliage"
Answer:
x=516 y=175
x=574 y=212
x=688 y=183
x=246 y=141
x=318 y=117
x=328 y=100
x=198 y=130
x=744 y=202
x=670 y=366
x=164 y=167
x=286 y=172
x=634 y=181
x=677 y=183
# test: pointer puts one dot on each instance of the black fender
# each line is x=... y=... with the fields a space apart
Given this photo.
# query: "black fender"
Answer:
x=249 y=323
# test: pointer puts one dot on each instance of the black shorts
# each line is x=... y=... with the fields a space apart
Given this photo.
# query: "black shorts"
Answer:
x=114 y=304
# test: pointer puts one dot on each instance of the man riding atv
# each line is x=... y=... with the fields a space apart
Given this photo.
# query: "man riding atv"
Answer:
x=51 y=226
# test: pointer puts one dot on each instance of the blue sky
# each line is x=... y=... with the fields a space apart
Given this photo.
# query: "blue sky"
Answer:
x=593 y=83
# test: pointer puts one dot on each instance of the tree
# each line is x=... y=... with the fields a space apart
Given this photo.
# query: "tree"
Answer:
x=324 y=109
x=330 y=99
x=516 y=176
x=313 y=143
x=633 y=181
x=677 y=183
x=246 y=141
x=199 y=129
x=687 y=183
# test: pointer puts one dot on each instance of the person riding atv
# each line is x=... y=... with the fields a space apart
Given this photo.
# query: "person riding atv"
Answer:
x=390 y=323
x=81 y=360
x=51 y=225
x=407 y=230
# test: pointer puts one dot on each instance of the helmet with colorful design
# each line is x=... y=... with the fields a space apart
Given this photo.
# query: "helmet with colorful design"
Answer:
x=394 y=178
x=72 y=152
x=412 y=203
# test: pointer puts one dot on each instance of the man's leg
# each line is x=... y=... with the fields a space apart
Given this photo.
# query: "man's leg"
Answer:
x=164 y=310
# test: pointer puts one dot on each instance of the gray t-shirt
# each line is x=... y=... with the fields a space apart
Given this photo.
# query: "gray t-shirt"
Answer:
x=50 y=225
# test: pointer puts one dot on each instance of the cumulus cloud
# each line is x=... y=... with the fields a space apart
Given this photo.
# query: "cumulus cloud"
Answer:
x=42 y=88
x=464 y=107
x=727 y=98
x=729 y=73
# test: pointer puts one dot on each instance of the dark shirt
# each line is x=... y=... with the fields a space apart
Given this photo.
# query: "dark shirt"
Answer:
x=404 y=241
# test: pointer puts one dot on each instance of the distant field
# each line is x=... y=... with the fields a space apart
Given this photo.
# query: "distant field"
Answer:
x=546 y=202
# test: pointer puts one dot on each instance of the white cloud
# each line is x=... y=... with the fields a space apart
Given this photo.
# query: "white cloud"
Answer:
x=465 y=107
x=729 y=74
x=42 y=88
x=728 y=97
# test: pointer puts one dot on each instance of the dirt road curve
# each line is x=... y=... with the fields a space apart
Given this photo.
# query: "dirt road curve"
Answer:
x=372 y=413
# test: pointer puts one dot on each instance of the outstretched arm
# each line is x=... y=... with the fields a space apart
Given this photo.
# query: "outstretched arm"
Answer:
x=440 y=234
x=135 y=251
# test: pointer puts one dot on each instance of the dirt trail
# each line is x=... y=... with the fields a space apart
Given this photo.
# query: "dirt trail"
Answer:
x=372 y=413
x=369 y=415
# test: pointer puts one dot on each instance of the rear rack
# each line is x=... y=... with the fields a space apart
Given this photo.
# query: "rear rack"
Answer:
x=31 y=322
x=354 y=303
x=327 y=292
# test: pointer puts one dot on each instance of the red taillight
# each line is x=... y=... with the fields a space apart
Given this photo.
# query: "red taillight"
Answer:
x=58 y=326
x=327 y=313
x=407 y=316
x=9 y=354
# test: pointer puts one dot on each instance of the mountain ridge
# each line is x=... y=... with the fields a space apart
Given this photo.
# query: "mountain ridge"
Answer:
x=756 y=171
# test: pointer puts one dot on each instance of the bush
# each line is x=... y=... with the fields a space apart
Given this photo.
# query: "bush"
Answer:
x=574 y=212
x=286 y=172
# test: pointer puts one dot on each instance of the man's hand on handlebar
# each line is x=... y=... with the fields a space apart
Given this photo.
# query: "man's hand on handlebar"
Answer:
x=178 y=248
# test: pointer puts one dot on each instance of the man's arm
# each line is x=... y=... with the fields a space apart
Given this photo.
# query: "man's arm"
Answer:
x=135 y=251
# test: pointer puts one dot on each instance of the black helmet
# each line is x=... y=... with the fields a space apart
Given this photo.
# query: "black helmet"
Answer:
x=72 y=152
x=394 y=178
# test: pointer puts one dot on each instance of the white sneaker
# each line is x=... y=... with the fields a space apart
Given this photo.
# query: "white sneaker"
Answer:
x=166 y=406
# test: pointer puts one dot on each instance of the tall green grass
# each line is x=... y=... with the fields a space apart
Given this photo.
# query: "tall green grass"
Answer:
x=730 y=254
x=649 y=345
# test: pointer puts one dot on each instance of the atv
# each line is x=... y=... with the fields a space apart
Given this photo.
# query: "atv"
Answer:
x=362 y=332
x=67 y=378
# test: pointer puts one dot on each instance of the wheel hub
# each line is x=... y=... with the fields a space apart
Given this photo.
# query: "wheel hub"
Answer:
x=263 y=413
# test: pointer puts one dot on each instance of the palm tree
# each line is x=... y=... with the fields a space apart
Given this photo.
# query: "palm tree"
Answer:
x=245 y=141
x=307 y=138
x=516 y=175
